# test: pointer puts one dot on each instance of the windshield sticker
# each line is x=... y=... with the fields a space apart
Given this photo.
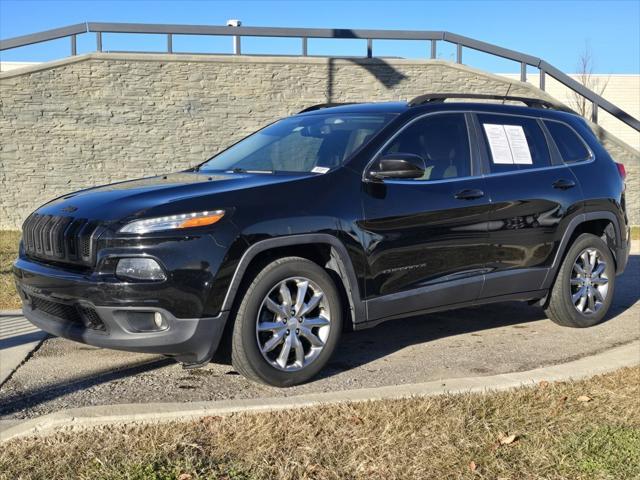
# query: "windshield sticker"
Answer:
x=320 y=170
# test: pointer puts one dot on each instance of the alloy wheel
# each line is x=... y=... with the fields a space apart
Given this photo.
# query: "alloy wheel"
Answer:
x=293 y=324
x=589 y=282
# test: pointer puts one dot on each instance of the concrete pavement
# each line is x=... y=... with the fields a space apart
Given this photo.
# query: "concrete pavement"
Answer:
x=18 y=338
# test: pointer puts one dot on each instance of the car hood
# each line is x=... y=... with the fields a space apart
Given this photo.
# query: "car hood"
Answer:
x=132 y=198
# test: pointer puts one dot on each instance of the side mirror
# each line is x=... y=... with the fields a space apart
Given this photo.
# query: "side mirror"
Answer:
x=398 y=165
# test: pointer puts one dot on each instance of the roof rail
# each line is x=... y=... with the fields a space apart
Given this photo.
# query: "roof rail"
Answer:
x=528 y=101
x=324 y=105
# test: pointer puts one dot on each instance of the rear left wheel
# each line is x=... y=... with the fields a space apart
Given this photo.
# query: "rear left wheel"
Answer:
x=583 y=290
x=288 y=323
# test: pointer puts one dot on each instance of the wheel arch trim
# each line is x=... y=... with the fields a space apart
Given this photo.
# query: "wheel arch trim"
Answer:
x=338 y=253
x=568 y=233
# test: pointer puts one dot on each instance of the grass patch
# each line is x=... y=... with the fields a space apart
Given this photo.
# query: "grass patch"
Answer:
x=580 y=430
x=635 y=233
x=9 y=299
x=607 y=452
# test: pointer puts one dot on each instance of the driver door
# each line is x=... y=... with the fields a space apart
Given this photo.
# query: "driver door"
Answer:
x=427 y=238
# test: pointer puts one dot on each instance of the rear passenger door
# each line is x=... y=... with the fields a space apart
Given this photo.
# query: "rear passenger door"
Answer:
x=534 y=196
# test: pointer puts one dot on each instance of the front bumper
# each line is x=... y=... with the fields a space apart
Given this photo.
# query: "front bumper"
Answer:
x=191 y=341
x=85 y=309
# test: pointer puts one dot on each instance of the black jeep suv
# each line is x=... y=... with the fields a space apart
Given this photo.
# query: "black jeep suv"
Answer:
x=338 y=217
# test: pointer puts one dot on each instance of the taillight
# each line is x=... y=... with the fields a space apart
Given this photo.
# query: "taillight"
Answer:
x=621 y=170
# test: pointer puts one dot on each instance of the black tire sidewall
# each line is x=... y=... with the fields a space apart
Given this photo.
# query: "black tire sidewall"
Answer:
x=271 y=276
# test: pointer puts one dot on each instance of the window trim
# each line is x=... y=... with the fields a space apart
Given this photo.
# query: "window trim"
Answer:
x=473 y=154
x=591 y=156
x=553 y=147
x=479 y=162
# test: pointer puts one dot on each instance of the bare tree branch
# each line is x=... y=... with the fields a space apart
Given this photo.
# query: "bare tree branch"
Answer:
x=585 y=76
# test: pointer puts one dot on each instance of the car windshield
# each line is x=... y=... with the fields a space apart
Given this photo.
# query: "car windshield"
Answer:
x=311 y=143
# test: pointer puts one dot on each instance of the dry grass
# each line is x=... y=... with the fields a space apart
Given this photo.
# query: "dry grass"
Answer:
x=8 y=252
x=635 y=233
x=557 y=436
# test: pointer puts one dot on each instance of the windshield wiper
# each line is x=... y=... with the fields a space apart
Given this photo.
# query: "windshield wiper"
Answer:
x=244 y=170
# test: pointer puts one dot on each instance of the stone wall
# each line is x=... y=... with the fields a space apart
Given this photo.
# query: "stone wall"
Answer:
x=105 y=117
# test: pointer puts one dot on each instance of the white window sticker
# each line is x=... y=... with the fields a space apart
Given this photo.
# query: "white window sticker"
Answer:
x=320 y=170
x=518 y=144
x=498 y=143
x=508 y=144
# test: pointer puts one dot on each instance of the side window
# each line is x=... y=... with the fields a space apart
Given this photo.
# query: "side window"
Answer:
x=514 y=143
x=442 y=141
x=572 y=148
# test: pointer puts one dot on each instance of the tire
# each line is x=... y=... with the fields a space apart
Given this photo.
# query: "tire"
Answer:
x=266 y=318
x=587 y=287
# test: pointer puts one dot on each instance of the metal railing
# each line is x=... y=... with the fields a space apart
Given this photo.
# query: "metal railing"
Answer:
x=431 y=37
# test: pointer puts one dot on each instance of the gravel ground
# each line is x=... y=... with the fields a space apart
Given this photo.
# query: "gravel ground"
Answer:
x=484 y=340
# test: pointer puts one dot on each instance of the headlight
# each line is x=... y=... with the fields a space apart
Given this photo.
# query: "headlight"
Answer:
x=172 y=222
x=139 y=268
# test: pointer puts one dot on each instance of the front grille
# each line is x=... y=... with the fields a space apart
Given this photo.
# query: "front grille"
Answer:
x=78 y=314
x=60 y=239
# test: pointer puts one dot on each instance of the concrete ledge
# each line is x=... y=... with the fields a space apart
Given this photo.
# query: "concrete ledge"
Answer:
x=237 y=59
x=613 y=359
x=276 y=59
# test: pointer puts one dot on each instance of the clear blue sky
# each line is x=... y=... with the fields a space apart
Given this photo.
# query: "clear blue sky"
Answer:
x=556 y=31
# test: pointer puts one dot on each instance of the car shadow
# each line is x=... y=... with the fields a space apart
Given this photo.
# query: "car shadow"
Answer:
x=362 y=347
x=15 y=403
x=22 y=339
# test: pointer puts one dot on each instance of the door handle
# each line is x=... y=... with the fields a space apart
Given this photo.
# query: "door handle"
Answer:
x=469 y=194
x=563 y=184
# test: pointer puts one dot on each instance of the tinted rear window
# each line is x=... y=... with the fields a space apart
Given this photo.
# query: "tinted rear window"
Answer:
x=571 y=146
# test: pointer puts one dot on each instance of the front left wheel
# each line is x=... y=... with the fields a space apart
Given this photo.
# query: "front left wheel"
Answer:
x=288 y=323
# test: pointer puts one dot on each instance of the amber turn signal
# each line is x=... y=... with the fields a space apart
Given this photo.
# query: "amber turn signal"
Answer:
x=202 y=221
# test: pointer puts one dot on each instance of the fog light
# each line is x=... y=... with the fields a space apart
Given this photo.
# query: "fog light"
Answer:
x=139 y=269
x=158 y=320
x=146 y=321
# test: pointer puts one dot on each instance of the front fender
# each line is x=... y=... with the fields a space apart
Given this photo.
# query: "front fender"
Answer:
x=234 y=275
